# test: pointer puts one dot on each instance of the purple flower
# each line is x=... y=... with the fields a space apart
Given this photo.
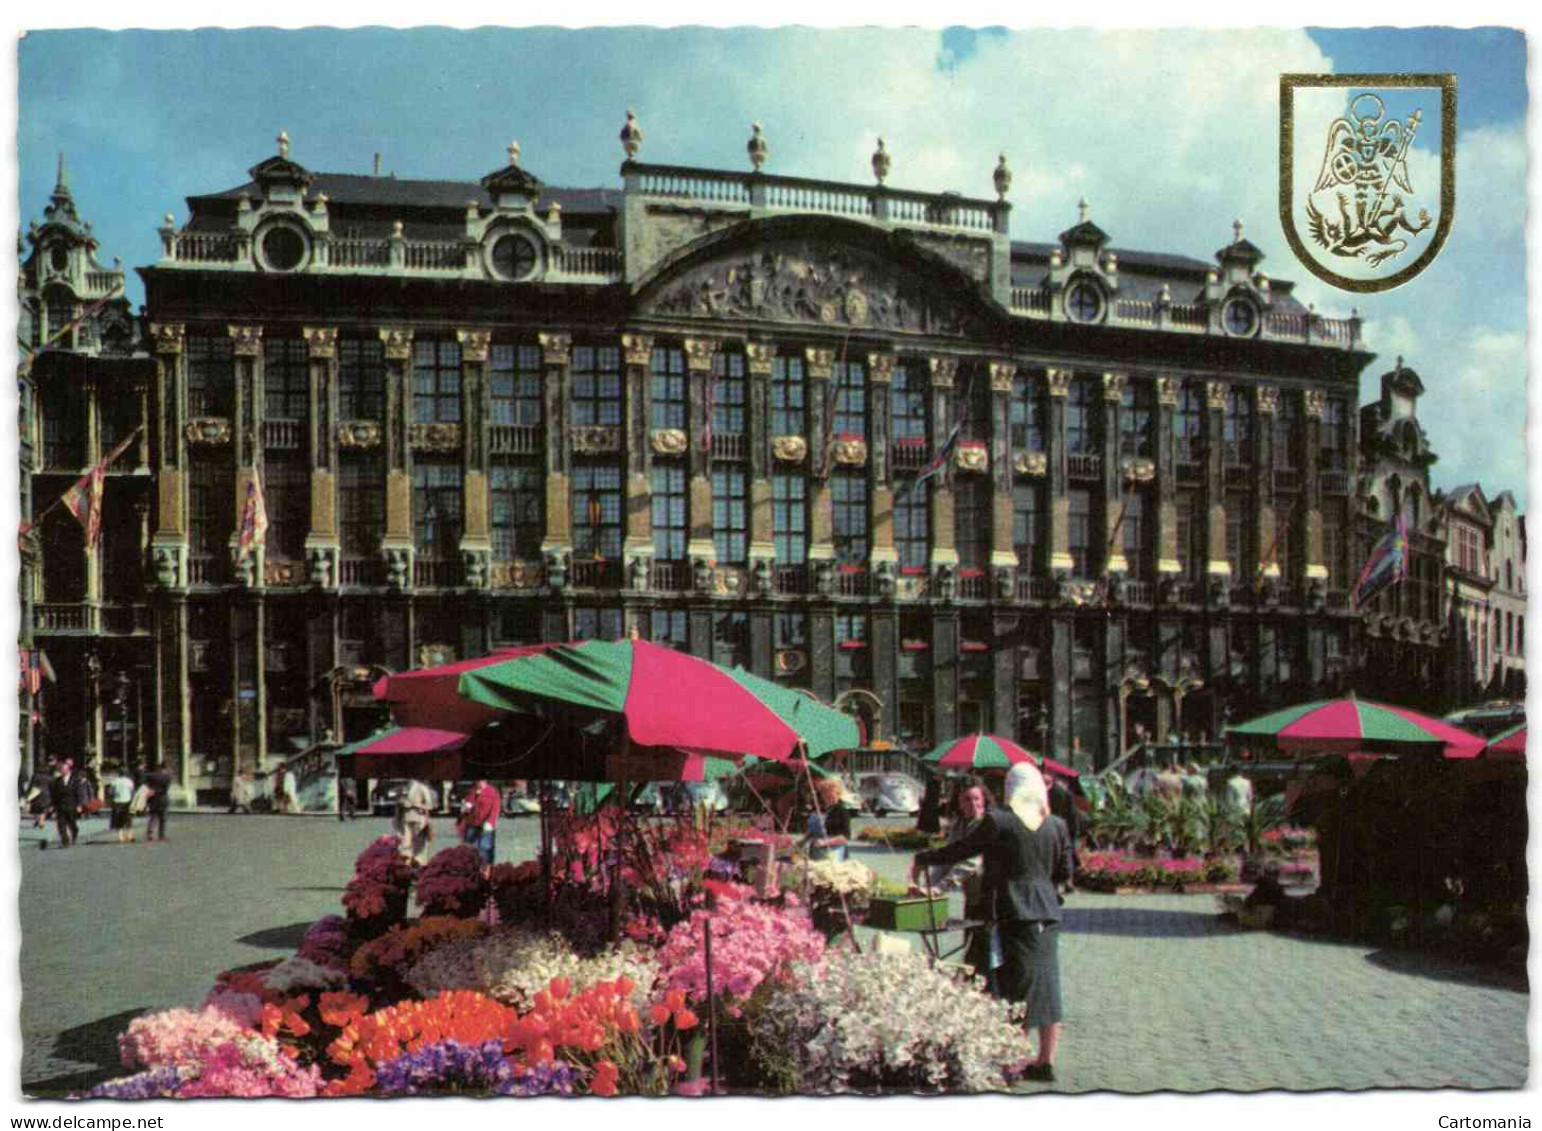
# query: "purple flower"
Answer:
x=157 y=1083
x=450 y=1066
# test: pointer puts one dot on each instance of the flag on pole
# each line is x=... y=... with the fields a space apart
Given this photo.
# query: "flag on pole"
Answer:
x=1272 y=554
x=45 y=668
x=84 y=315
x=254 y=520
x=84 y=498
x=31 y=678
x=939 y=461
x=1387 y=565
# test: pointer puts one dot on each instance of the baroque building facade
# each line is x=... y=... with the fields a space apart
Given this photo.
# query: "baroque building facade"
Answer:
x=84 y=388
x=696 y=407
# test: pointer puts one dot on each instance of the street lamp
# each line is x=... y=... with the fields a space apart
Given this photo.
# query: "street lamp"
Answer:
x=120 y=700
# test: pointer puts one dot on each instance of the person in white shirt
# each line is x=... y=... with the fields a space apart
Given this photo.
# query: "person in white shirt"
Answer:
x=120 y=794
x=413 y=823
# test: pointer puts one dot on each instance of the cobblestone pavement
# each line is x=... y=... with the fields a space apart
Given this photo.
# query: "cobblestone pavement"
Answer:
x=1160 y=995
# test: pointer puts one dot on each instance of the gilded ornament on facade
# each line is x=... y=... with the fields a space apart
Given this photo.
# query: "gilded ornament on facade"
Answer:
x=852 y=452
x=1215 y=394
x=321 y=341
x=880 y=368
x=1034 y=464
x=943 y=370
x=1003 y=373
x=398 y=343
x=515 y=575
x=727 y=582
x=169 y=336
x=1268 y=398
x=555 y=348
x=359 y=434
x=821 y=363
x=971 y=456
x=698 y=353
x=1113 y=386
x=1315 y=399
x=438 y=437
x=1058 y=382
x=669 y=441
x=758 y=357
x=856 y=307
x=1167 y=391
x=208 y=430
x=789 y=449
x=474 y=344
x=596 y=439
x=247 y=339
x=637 y=349
x=284 y=572
x=1137 y=470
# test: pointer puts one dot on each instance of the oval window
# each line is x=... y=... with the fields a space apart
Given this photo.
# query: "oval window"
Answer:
x=1241 y=318
x=283 y=248
x=1084 y=303
x=59 y=256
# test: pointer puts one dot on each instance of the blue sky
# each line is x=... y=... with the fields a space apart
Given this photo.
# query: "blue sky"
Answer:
x=1169 y=136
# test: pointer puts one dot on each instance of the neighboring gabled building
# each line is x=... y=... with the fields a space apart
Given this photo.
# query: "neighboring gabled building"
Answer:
x=1468 y=590
x=1507 y=619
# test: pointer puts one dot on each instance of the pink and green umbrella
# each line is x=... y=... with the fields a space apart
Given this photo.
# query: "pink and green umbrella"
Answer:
x=1343 y=726
x=666 y=698
x=1510 y=744
x=978 y=752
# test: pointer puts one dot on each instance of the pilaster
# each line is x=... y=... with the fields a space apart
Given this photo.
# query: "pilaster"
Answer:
x=636 y=351
x=944 y=374
x=1114 y=486
x=758 y=358
x=1004 y=563
x=819 y=369
x=1058 y=383
x=883 y=557
x=1311 y=488
x=1217 y=564
x=1164 y=490
x=476 y=547
x=699 y=353
x=557 y=542
x=169 y=543
x=322 y=548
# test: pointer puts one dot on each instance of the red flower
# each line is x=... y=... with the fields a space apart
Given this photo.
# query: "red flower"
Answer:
x=604 y=1082
x=685 y=1019
x=659 y=1015
x=560 y=987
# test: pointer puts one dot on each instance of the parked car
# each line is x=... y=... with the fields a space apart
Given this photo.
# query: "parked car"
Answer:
x=651 y=798
x=890 y=793
x=386 y=795
x=518 y=803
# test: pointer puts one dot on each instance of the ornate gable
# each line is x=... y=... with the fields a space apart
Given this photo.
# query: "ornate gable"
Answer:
x=814 y=281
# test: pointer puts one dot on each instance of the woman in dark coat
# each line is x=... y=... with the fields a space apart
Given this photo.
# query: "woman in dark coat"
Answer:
x=1027 y=854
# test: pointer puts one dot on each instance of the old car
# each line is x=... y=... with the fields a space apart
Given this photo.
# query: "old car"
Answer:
x=884 y=793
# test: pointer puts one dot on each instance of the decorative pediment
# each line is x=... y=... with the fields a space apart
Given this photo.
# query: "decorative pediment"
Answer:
x=516 y=575
x=809 y=282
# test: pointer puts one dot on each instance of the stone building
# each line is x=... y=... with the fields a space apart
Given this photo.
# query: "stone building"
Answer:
x=1507 y=614
x=1467 y=595
x=1403 y=646
x=85 y=389
x=695 y=406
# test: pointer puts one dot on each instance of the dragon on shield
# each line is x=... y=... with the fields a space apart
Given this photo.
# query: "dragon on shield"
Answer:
x=1370 y=157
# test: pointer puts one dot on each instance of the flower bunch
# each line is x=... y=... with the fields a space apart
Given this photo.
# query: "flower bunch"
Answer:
x=579 y=912
x=513 y=965
x=451 y=883
x=377 y=894
x=830 y=879
x=390 y=955
x=1290 y=838
x=598 y=1030
x=367 y=1041
x=327 y=943
x=1181 y=870
x=452 y=1066
x=298 y=975
x=750 y=942
x=252 y=1066
x=177 y=1036
x=839 y=1019
x=154 y=1084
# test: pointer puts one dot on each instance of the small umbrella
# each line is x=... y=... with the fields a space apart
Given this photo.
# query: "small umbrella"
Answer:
x=419 y=752
x=1509 y=744
x=1342 y=726
x=979 y=752
x=667 y=698
x=430 y=697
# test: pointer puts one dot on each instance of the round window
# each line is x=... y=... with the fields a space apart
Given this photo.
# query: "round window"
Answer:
x=1084 y=303
x=515 y=257
x=1241 y=318
x=283 y=248
x=59 y=257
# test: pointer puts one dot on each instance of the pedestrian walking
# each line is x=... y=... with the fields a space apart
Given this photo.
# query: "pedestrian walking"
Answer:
x=971 y=800
x=482 y=821
x=120 y=795
x=68 y=793
x=159 y=781
x=241 y=792
x=291 y=789
x=346 y=805
x=413 y=822
x=1027 y=856
x=36 y=798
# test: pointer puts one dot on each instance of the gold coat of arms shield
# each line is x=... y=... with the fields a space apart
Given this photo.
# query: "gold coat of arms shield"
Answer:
x=1367 y=174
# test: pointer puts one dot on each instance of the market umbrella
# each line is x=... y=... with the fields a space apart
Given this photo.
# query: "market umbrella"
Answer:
x=430 y=697
x=665 y=698
x=415 y=752
x=1509 y=744
x=978 y=752
x=1342 y=726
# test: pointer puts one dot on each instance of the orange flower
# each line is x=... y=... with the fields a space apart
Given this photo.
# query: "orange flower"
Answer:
x=674 y=999
x=628 y=1021
x=625 y=986
x=658 y=1014
x=560 y=987
x=685 y=1019
x=604 y=1082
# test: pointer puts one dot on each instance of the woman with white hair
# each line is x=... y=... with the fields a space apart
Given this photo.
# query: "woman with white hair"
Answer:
x=1027 y=856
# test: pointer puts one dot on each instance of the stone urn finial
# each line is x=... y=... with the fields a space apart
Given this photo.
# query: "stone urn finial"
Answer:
x=398 y=229
x=882 y=162
x=1002 y=177
x=1083 y=211
x=513 y=153
x=1236 y=229
x=283 y=144
x=631 y=134
x=757 y=147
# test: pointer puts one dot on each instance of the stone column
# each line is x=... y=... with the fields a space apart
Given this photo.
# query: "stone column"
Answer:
x=819 y=368
x=396 y=546
x=1113 y=479
x=1004 y=563
x=93 y=554
x=1311 y=491
x=1217 y=564
x=169 y=543
x=323 y=551
x=636 y=352
x=247 y=436
x=758 y=358
x=944 y=373
x=1058 y=382
x=1164 y=490
x=883 y=558
x=1263 y=485
x=476 y=545
x=700 y=547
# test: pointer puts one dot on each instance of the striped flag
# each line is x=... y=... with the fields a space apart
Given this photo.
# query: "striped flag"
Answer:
x=84 y=498
x=254 y=520
x=1387 y=565
x=939 y=461
x=83 y=316
x=31 y=678
x=45 y=669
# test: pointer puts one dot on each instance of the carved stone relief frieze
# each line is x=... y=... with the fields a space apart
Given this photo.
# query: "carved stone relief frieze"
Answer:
x=438 y=437
x=972 y=457
x=850 y=452
x=669 y=441
x=789 y=449
x=596 y=439
x=282 y=571
x=359 y=434
x=209 y=430
x=1032 y=464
